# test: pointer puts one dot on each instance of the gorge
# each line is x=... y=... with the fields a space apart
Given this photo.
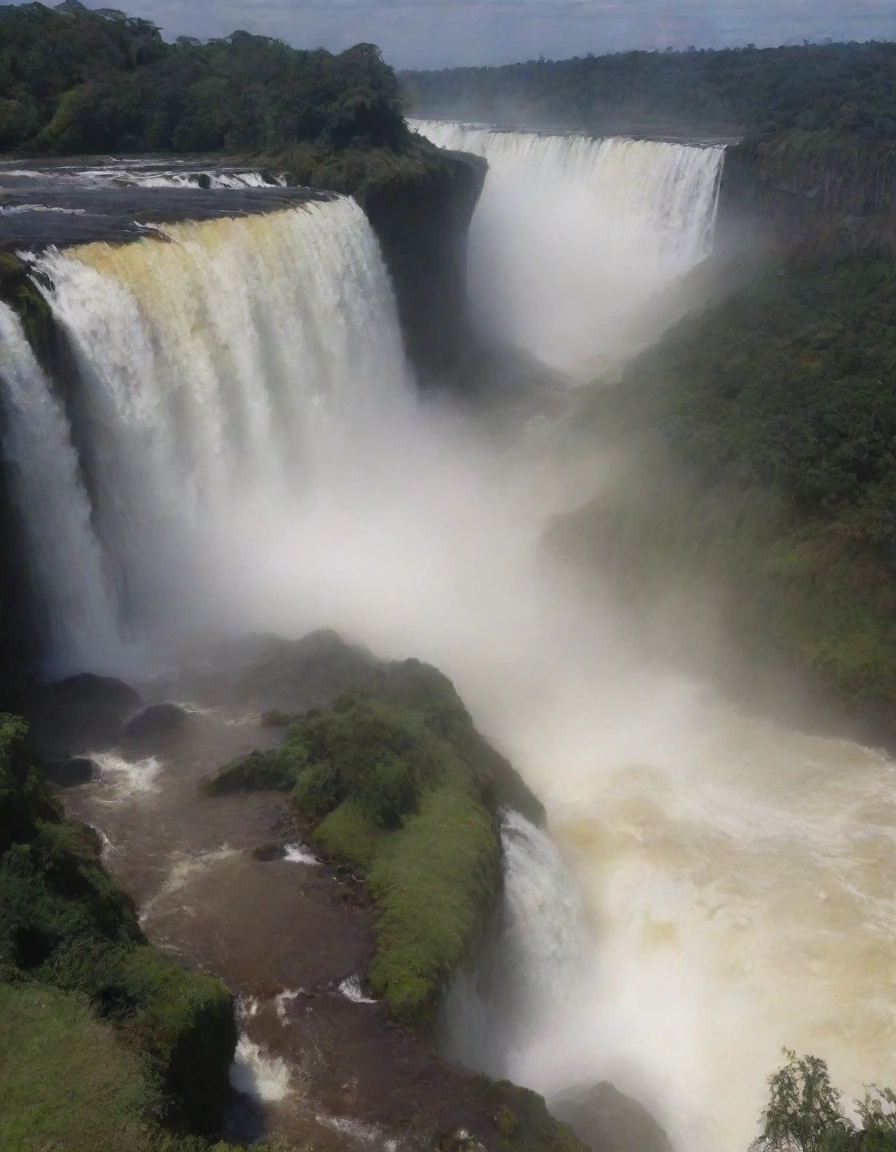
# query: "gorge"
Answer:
x=231 y=434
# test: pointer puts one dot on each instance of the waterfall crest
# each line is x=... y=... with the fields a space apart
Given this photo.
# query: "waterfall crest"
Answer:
x=77 y=605
x=574 y=237
x=225 y=366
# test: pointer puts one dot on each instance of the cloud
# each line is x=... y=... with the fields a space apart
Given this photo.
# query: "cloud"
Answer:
x=439 y=33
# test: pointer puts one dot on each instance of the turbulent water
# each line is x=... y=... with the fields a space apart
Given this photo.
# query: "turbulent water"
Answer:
x=574 y=237
x=244 y=450
x=222 y=374
x=137 y=174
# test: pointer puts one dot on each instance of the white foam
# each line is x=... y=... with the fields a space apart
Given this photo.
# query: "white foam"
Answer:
x=361 y=1133
x=351 y=989
x=184 y=867
x=282 y=1002
x=126 y=778
x=257 y=1074
x=18 y=209
x=299 y=854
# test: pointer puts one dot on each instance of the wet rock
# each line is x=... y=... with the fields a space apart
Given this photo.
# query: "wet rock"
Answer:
x=268 y=852
x=609 y=1121
x=156 y=721
x=80 y=713
x=69 y=773
x=89 y=689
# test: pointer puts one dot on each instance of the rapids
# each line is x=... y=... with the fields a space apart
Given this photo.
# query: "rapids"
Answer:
x=247 y=452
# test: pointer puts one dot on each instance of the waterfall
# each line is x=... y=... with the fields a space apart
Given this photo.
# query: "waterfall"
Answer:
x=574 y=237
x=529 y=971
x=225 y=367
x=77 y=605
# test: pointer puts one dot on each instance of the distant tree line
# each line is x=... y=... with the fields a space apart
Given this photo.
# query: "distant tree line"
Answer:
x=77 y=80
x=815 y=87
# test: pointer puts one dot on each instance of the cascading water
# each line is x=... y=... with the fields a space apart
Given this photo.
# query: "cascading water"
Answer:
x=255 y=459
x=224 y=367
x=77 y=603
x=527 y=971
x=574 y=237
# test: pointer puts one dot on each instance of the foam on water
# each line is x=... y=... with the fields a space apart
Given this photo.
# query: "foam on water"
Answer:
x=352 y=990
x=282 y=1002
x=122 y=778
x=257 y=1074
x=184 y=867
x=299 y=854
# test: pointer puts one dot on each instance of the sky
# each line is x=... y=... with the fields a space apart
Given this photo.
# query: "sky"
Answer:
x=442 y=33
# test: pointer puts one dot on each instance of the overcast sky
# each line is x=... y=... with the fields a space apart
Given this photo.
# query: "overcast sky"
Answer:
x=440 y=33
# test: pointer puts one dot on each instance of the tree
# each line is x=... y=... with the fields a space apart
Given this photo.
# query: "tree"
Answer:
x=804 y=1109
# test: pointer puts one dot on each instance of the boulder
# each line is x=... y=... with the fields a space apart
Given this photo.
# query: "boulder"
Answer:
x=97 y=691
x=156 y=721
x=80 y=713
x=69 y=773
x=268 y=852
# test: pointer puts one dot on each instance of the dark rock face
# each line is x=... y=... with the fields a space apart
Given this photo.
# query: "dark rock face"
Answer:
x=80 y=713
x=99 y=691
x=266 y=853
x=803 y=204
x=69 y=773
x=422 y=225
x=159 y=720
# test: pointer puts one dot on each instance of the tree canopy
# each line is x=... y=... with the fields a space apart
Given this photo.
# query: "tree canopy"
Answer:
x=737 y=91
x=78 y=80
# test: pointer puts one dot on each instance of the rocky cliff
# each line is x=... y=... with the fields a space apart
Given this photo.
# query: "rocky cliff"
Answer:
x=810 y=191
x=420 y=205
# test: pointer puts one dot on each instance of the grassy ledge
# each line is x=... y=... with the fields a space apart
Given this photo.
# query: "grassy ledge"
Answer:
x=398 y=784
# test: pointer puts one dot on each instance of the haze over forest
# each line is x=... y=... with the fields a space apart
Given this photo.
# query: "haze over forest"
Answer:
x=444 y=33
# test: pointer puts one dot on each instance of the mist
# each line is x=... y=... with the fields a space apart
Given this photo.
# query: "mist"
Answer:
x=431 y=34
x=574 y=239
x=277 y=469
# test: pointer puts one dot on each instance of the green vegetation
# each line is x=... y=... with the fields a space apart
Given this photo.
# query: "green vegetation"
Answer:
x=523 y=1121
x=50 y=1038
x=819 y=120
x=805 y=1113
x=19 y=293
x=73 y=80
x=399 y=784
x=774 y=415
x=75 y=965
x=843 y=88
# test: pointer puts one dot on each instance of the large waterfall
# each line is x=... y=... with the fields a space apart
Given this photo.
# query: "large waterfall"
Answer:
x=239 y=446
x=224 y=368
x=574 y=237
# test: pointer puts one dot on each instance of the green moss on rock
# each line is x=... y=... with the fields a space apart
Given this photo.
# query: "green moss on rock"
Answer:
x=398 y=783
x=64 y=922
x=522 y=1119
x=19 y=293
x=257 y=771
